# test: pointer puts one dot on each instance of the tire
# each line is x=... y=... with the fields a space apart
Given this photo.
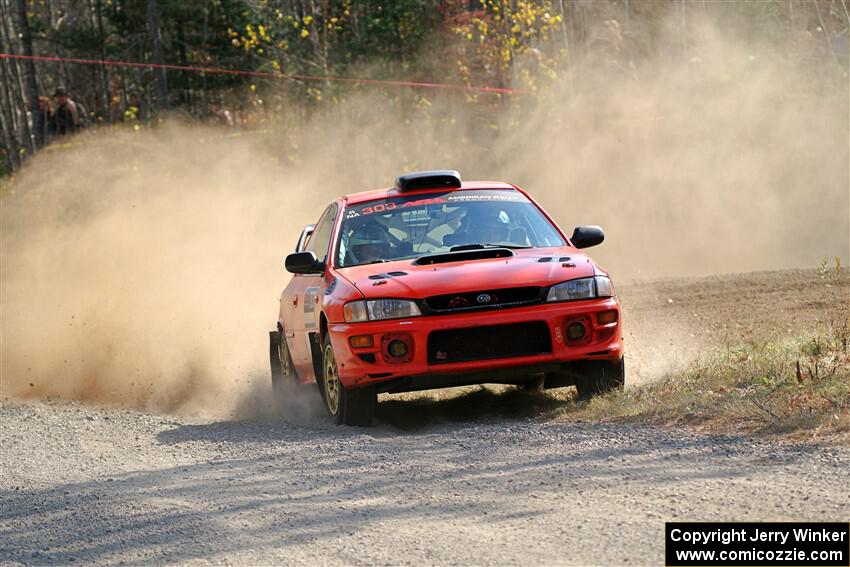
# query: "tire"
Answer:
x=283 y=373
x=600 y=378
x=349 y=407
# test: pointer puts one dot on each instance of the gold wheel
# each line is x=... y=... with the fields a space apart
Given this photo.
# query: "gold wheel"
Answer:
x=331 y=377
x=285 y=361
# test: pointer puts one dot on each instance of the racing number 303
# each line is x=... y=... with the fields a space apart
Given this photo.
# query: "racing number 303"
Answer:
x=379 y=208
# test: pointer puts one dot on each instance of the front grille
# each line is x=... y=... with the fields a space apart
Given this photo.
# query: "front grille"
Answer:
x=482 y=343
x=480 y=300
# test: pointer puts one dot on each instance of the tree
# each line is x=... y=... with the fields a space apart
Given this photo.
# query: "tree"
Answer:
x=157 y=53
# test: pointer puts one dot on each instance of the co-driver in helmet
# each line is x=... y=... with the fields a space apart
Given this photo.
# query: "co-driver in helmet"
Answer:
x=368 y=242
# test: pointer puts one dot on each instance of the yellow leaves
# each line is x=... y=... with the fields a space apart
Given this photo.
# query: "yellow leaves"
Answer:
x=264 y=34
x=509 y=40
x=335 y=23
x=251 y=39
x=423 y=103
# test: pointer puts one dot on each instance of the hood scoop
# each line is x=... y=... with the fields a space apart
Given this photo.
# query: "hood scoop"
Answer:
x=463 y=256
x=387 y=275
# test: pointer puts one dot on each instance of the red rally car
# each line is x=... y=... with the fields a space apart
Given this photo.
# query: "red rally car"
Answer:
x=437 y=283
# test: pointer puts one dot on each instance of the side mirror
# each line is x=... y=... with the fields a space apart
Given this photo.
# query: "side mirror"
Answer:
x=304 y=263
x=586 y=236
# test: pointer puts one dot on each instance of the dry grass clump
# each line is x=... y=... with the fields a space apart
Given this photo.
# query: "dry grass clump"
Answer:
x=795 y=387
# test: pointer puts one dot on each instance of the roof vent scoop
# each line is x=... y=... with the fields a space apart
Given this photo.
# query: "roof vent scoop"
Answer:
x=433 y=179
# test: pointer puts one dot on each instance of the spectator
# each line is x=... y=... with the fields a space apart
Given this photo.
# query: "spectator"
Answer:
x=69 y=116
x=44 y=120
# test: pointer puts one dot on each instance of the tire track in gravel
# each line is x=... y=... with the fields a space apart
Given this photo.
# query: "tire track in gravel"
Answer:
x=104 y=486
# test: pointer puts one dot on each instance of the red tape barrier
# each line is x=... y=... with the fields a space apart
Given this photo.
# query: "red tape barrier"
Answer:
x=265 y=74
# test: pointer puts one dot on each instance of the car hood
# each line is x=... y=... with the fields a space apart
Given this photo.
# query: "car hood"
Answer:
x=404 y=279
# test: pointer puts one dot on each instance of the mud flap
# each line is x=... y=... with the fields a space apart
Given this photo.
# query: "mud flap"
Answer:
x=274 y=358
x=316 y=355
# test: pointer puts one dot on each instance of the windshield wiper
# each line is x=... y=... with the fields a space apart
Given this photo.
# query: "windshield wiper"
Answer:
x=488 y=245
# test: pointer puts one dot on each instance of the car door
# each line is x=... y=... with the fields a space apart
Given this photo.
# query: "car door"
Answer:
x=304 y=291
x=289 y=298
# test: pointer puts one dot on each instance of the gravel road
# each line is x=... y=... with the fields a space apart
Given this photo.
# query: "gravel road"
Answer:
x=84 y=485
x=467 y=481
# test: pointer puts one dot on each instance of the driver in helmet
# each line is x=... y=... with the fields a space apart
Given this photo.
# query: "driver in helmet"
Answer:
x=369 y=242
x=484 y=225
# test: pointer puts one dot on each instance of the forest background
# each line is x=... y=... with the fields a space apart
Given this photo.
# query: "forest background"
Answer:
x=291 y=55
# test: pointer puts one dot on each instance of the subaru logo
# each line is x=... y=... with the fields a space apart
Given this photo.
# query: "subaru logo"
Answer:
x=484 y=298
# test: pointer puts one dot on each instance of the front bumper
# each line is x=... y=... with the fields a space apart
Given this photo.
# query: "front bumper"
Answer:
x=358 y=369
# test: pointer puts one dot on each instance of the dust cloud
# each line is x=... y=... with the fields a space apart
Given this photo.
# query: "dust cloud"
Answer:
x=143 y=268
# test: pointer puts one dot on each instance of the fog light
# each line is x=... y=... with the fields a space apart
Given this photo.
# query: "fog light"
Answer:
x=605 y=317
x=361 y=341
x=575 y=331
x=397 y=348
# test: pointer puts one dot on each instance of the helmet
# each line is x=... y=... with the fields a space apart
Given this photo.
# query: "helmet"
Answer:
x=368 y=243
x=487 y=224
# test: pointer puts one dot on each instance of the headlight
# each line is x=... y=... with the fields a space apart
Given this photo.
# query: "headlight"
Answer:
x=582 y=288
x=377 y=309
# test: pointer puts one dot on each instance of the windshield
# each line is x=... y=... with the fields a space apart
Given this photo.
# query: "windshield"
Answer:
x=414 y=225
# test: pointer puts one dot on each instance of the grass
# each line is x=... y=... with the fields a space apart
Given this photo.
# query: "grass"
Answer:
x=797 y=388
